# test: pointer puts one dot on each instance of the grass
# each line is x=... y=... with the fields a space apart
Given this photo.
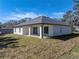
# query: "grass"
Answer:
x=73 y=53
x=24 y=47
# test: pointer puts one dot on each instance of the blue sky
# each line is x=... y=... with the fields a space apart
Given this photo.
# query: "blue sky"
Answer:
x=17 y=9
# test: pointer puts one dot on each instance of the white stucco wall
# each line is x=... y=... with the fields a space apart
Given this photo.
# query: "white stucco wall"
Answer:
x=49 y=26
x=16 y=31
x=76 y=28
x=38 y=26
x=61 y=30
x=26 y=30
x=54 y=30
x=50 y=30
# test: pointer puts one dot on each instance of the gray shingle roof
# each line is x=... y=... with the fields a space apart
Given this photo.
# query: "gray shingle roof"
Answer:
x=42 y=20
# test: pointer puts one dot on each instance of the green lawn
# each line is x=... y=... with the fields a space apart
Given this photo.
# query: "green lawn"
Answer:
x=24 y=47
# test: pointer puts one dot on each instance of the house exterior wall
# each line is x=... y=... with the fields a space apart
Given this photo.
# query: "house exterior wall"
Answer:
x=25 y=30
x=18 y=31
x=76 y=28
x=50 y=30
x=54 y=30
x=38 y=26
x=61 y=30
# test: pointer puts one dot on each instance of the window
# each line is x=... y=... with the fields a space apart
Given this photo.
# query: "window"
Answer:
x=35 y=30
x=46 y=30
x=60 y=29
x=19 y=30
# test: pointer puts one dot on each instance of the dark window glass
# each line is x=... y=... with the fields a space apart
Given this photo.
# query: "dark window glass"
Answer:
x=60 y=29
x=35 y=30
x=46 y=30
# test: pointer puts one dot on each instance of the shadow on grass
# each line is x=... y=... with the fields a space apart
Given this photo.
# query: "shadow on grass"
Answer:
x=8 y=42
x=66 y=37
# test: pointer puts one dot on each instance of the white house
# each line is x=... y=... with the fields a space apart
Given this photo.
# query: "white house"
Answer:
x=43 y=27
x=76 y=28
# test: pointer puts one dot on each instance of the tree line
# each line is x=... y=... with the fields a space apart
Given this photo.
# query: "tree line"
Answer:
x=72 y=16
x=12 y=23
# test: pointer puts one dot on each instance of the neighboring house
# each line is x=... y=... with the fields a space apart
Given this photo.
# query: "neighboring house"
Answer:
x=6 y=31
x=76 y=28
x=43 y=27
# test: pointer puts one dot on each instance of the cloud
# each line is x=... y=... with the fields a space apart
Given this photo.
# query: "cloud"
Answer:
x=19 y=15
x=16 y=16
x=57 y=14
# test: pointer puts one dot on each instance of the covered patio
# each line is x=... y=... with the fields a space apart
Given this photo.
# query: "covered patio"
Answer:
x=36 y=30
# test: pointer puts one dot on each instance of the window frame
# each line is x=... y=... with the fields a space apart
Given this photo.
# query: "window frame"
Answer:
x=35 y=29
x=46 y=30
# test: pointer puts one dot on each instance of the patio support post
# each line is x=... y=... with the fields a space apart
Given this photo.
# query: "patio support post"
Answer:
x=29 y=30
x=41 y=31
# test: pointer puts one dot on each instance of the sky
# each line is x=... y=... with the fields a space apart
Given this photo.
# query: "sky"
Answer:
x=18 y=9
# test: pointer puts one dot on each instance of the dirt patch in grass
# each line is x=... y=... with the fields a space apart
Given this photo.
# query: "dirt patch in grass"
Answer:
x=34 y=48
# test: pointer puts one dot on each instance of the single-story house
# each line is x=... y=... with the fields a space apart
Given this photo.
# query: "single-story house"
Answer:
x=43 y=27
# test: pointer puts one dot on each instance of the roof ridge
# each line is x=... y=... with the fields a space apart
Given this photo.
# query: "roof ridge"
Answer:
x=42 y=19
